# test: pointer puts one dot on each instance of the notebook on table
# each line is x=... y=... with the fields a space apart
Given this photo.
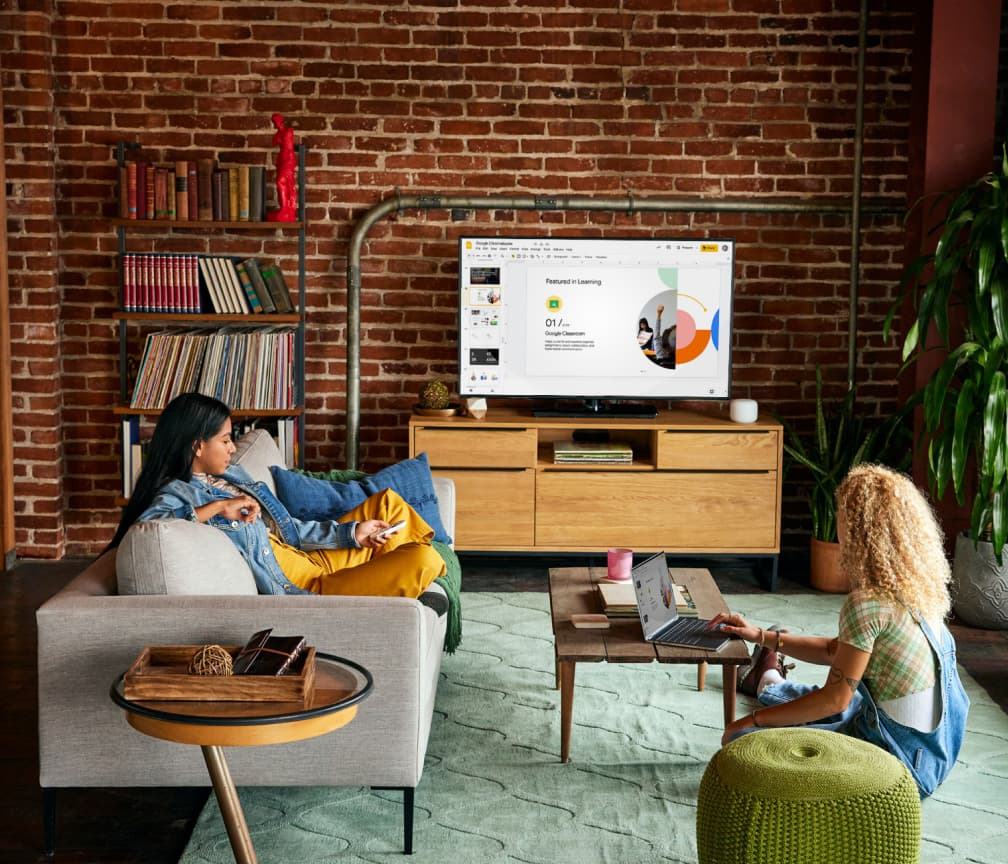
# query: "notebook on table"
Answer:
x=656 y=605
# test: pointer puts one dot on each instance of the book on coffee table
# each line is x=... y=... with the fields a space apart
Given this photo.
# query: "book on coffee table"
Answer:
x=619 y=600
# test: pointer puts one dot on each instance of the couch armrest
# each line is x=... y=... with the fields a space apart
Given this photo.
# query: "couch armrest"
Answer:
x=86 y=640
x=444 y=488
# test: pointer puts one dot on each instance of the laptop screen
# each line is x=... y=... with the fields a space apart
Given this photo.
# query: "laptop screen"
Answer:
x=655 y=597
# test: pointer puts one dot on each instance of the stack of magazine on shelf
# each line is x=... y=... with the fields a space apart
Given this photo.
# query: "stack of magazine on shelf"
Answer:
x=592 y=452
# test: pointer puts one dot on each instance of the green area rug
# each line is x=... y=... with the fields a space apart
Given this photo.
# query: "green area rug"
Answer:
x=494 y=790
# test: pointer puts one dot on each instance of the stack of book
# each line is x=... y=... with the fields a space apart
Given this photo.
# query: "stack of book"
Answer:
x=199 y=283
x=619 y=600
x=592 y=452
x=192 y=190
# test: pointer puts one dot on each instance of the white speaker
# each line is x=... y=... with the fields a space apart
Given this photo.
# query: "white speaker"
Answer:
x=744 y=410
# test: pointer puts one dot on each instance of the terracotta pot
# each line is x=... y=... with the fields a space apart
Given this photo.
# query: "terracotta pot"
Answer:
x=824 y=567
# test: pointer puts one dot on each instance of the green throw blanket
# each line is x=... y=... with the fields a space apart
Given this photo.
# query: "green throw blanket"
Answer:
x=451 y=582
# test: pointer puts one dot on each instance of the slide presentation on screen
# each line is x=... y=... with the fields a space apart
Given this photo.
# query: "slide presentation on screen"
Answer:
x=571 y=327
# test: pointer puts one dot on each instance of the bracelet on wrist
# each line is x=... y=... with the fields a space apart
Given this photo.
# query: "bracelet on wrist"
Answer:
x=780 y=641
x=762 y=636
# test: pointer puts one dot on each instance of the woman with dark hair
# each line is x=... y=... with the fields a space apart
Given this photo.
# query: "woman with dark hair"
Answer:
x=188 y=475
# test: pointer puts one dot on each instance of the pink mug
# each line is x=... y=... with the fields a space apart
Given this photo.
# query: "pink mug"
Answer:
x=620 y=561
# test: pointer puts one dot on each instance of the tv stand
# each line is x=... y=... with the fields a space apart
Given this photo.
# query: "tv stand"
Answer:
x=598 y=408
x=698 y=484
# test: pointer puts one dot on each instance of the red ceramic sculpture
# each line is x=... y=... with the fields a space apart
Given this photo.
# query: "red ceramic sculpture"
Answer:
x=285 y=163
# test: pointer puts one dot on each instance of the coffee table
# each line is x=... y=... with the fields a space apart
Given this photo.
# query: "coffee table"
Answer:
x=340 y=686
x=572 y=592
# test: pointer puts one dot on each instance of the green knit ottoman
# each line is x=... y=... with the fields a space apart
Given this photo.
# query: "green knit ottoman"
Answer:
x=805 y=796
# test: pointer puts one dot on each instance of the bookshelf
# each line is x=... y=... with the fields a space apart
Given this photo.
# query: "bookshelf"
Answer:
x=188 y=305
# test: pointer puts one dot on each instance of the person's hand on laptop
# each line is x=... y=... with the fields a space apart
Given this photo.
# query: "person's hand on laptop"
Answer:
x=736 y=625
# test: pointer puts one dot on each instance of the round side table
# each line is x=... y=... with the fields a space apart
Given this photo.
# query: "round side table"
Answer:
x=340 y=686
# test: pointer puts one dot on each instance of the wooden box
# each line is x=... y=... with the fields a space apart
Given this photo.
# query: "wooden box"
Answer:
x=162 y=672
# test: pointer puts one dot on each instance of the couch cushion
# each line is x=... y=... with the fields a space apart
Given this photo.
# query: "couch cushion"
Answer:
x=310 y=498
x=256 y=451
x=175 y=556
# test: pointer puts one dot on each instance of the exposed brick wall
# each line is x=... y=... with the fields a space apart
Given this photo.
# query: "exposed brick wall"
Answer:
x=711 y=98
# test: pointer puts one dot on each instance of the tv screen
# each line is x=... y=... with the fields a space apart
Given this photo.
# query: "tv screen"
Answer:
x=595 y=319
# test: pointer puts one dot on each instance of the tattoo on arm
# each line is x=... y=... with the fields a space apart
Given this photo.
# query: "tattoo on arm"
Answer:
x=831 y=647
x=835 y=676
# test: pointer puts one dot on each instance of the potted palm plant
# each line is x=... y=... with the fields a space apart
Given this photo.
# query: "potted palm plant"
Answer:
x=840 y=438
x=964 y=300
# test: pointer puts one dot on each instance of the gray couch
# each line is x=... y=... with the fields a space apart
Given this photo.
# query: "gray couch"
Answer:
x=176 y=583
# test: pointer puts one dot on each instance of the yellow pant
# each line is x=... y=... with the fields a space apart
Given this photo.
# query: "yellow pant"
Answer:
x=403 y=567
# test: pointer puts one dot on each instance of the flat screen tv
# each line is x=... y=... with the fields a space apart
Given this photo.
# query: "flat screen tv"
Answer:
x=595 y=325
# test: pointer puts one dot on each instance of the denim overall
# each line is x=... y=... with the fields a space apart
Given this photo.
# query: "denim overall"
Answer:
x=928 y=755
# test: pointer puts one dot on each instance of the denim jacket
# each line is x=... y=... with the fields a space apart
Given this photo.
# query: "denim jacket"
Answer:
x=179 y=500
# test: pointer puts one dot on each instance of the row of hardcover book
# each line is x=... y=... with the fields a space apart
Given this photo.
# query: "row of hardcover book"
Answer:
x=153 y=282
x=246 y=369
x=135 y=440
x=192 y=190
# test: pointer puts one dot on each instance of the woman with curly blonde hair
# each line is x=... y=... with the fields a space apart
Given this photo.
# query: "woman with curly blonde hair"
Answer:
x=892 y=673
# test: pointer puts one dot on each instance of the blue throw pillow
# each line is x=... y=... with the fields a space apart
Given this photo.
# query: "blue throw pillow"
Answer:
x=310 y=498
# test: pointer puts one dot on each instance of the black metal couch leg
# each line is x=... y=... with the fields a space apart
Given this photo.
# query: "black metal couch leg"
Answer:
x=407 y=803
x=408 y=819
x=49 y=822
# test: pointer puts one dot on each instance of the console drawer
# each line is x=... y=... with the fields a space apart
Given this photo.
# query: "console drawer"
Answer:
x=494 y=509
x=683 y=511
x=730 y=450
x=476 y=448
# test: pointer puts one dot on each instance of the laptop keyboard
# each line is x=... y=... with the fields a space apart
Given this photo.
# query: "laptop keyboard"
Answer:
x=690 y=631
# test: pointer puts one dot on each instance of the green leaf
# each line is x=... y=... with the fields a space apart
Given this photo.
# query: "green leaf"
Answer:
x=999 y=520
x=911 y=340
x=994 y=430
x=1004 y=235
x=962 y=438
x=940 y=462
x=985 y=266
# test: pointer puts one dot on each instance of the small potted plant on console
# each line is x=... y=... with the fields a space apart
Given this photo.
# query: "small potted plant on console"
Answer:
x=434 y=400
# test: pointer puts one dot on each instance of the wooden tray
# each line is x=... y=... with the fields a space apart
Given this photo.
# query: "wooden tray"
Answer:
x=162 y=672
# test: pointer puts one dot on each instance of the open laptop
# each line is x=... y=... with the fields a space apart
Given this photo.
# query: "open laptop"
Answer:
x=656 y=606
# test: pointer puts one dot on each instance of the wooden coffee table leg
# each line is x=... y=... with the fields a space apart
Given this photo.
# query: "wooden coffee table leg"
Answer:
x=230 y=806
x=701 y=676
x=728 y=683
x=566 y=668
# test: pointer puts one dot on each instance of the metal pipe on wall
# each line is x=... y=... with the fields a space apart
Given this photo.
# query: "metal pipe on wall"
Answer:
x=503 y=202
x=629 y=204
x=855 y=266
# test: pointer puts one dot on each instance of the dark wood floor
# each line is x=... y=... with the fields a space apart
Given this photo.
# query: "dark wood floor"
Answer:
x=151 y=826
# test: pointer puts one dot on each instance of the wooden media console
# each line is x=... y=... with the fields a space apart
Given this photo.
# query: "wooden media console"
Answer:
x=697 y=484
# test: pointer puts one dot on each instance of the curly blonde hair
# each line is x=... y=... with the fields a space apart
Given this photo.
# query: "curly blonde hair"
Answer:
x=893 y=547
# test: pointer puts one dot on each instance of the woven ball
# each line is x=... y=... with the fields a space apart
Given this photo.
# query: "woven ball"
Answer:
x=806 y=796
x=211 y=660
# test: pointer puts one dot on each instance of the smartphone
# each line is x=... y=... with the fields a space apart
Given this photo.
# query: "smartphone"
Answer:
x=385 y=532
